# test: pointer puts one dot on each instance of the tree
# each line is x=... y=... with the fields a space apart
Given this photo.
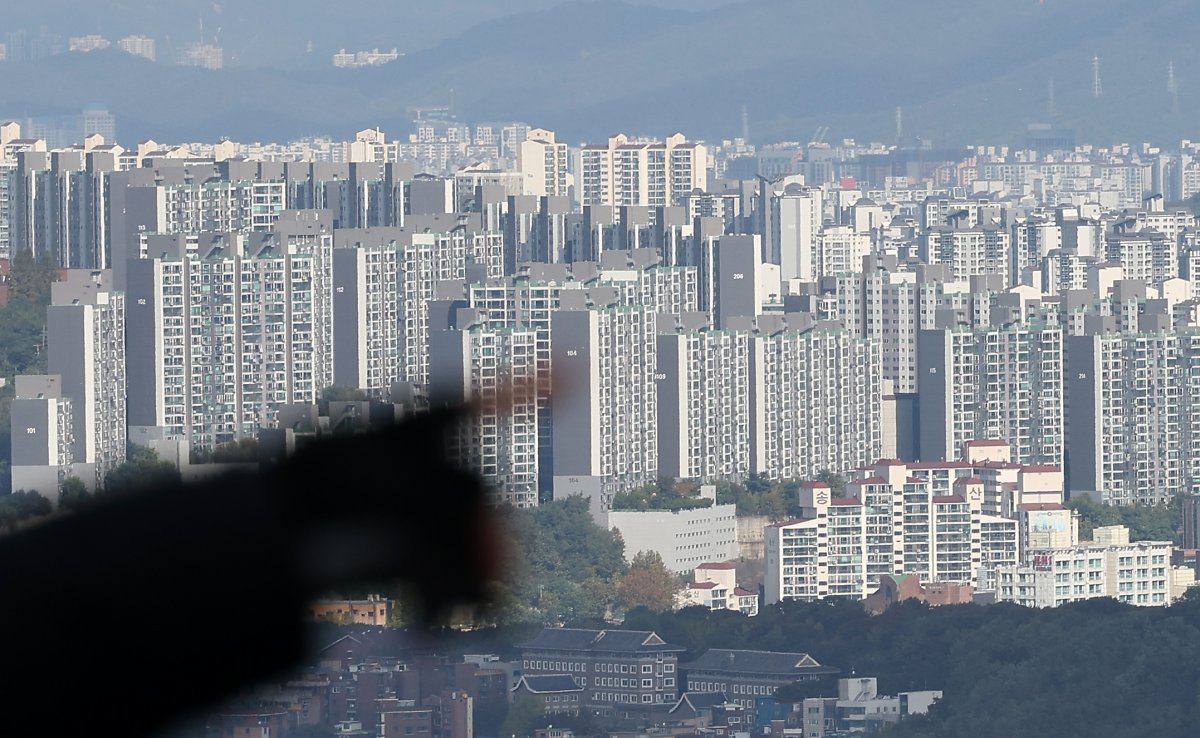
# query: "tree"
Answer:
x=142 y=469
x=648 y=584
x=21 y=506
x=72 y=494
x=561 y=567
x=836 y=482
x=523 y=717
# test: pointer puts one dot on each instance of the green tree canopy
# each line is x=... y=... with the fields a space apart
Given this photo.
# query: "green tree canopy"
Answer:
x=666 y=494
x=524 y=716
x=23 y=505
x=143 y=468
x=72 y=494
x=1145 y=522
x=562 y=565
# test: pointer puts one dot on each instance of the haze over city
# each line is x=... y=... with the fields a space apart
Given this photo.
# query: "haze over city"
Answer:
x=785 y=369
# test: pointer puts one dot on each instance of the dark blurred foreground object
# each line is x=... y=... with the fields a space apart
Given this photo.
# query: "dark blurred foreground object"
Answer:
x=147 y=607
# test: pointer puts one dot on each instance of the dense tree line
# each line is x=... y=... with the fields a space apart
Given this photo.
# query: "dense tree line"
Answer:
x=1096 y=668
x=1145 y=522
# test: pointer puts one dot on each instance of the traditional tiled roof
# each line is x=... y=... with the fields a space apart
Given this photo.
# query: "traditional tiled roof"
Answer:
x=700 y=700
x=726 y=565
x=548 y=683
x=599 y=641
x=758 y=662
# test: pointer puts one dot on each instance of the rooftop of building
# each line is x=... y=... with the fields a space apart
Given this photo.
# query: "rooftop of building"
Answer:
x=549 y=683
x=774 y=663
x=599 y=641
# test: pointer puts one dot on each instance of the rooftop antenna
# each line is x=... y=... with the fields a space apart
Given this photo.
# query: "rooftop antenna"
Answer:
x=1173 y=88
x=1051 y=107
x=1097 y=88
x=745 y=124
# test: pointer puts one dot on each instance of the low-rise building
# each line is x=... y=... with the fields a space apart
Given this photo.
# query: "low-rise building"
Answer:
x=859 y=708
x=745 y=676
x=557 y=694
x=1110 y=565
x=683 y=538
x=895 y=588
x=623 y=673
x=714 y=585
x=374 y=610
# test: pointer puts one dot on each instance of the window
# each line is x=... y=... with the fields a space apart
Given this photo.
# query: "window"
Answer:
x=647 y=668
x=647 y=683
x=668 y=668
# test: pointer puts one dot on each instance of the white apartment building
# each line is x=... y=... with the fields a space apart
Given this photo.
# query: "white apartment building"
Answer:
x=627 y=172
x=142 y=46
x=841 y=249
x=543 y=163
x=704 y=408
x=890 y=523
x=890 y=308
x=85 y=344
x=205 y=56
x=714 y=585
x=1108 y=566
x=84 y=44
x=1004 y=383
x=1134 y=420
x=605 y=429
x=495 y=367
x=219 y=339
x=42 y=441
x=383 y=282
x=982 y=249
x=1147 y=255
x=796 y=217
x=815 y=400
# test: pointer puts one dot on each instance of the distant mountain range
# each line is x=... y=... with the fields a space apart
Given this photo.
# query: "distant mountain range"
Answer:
x=960 y=72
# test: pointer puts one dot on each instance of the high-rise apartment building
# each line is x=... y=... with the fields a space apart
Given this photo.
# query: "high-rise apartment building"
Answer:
x=59 y=203
x=220 y=338
x=384 y=282
x=1004 y=382
x=704 y=420
x=496 y=368
x=815 y=402
x=793 y=230
x=142 y=46
x=980 y=250
x=40 y=418
x=85 y=344
x=205 y=56
x=890 y=523
x=626 y=172
x=1133 y=420
x=542 y=163
x=605 y=406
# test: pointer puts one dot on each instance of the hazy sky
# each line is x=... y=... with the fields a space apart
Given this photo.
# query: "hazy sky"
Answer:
x=273 y=31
